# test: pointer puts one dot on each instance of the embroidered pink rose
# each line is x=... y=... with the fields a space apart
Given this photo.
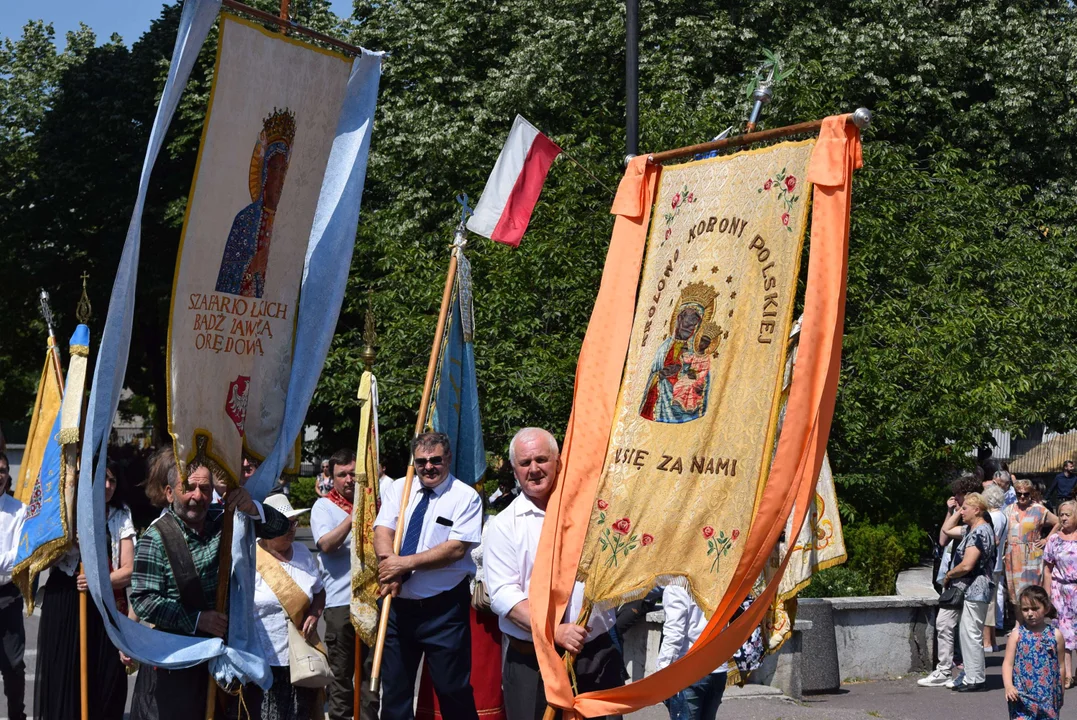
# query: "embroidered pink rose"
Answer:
x=768 y=184
x=622 y=526
x=602 y=504
x=790 y=183
x=647 y=539
x=708 y=532
x=785 y=218
x=676 y=200
x=691 y=197
x=735 y=534
x=669 y=231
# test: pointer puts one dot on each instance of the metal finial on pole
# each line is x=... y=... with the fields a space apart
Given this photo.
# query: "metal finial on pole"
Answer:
x=83 y=311
x=762 y=96
x=370 y=338
x=46 y=311
x=862 y=118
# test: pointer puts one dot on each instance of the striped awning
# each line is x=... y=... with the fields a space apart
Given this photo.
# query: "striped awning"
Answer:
x=1048 y=456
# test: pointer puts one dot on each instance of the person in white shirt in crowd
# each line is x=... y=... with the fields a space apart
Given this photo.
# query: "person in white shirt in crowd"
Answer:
x=683 y=625
x=509 y=555
x=430 y=582
x=287 y=588
x=331 y=526
x=12 y=631
x=324 y=482
x=995 y=499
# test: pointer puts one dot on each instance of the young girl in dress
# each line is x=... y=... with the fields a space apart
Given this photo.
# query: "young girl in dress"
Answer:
x=1031 y=671
x=1060 y=580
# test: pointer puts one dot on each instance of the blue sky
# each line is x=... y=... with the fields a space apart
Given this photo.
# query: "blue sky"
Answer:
x=129 y=18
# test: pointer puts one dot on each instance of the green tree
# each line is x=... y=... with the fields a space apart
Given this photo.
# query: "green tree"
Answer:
x=961 y=279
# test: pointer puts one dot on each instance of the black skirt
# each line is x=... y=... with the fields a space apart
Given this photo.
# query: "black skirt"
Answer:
x=57 y=682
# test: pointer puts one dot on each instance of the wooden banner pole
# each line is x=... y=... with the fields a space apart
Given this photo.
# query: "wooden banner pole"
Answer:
x=861 y=118
x=224 y=573
x=420 y=422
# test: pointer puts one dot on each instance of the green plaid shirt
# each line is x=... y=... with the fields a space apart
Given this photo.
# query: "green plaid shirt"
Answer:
x=154 y=593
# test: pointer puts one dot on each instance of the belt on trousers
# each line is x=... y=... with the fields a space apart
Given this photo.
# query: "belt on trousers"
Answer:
x=524 y=647
x=442 y=599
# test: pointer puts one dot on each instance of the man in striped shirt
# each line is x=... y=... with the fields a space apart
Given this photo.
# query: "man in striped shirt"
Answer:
x=183 y=606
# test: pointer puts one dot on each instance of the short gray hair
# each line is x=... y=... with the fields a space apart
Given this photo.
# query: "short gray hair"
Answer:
x=527 y=431
x=1003 y=475
x=995 y=497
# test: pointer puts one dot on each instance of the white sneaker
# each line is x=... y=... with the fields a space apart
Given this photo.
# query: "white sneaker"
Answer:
x=936 y=679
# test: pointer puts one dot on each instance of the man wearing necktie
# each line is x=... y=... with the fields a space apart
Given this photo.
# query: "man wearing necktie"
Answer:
x=429 y=581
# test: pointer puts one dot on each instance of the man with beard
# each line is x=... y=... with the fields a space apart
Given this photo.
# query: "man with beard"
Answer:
x=174 y=585
x=331 y=526
x=508 y=559
x=429 y=581
x=12 y=632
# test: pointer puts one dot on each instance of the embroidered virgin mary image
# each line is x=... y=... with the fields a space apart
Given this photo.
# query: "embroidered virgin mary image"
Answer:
x=246 y=254
x=679 y=381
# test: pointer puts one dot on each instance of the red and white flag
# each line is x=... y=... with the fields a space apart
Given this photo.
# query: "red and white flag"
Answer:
x=514 y=186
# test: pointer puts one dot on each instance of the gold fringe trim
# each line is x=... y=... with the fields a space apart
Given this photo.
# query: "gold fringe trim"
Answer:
x=68 y=436
x=81 y=350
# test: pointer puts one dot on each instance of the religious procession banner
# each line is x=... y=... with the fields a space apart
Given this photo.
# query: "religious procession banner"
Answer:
x=698 y=405
x=455 y=406
x=364 y=603
x=50 y=390
x=270 y=126
x=47 y=532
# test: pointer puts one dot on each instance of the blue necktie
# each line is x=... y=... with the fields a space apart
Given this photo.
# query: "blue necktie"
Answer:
x=415 y=524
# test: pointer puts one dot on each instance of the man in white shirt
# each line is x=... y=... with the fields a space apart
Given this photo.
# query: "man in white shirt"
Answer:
x=12 y=632
x=429 y=582
x=508 y=560
x=683 y=625
x=331 y=526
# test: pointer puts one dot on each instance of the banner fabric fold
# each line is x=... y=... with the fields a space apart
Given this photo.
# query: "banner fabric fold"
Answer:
x=455 y=406
x=50 y=390
x=791 y=479
x=364 y=603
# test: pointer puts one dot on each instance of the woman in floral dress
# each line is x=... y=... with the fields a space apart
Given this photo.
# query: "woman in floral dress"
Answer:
x=1024 y=546
x=1060 y=579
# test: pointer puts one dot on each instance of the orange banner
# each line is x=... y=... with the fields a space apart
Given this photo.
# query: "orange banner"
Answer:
x=800 y=447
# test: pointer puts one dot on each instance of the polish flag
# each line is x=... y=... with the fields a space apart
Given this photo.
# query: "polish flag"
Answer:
x=514 y=186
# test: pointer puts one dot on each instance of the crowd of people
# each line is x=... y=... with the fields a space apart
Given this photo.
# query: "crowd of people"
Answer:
x=459 y=585
x=1009 y=555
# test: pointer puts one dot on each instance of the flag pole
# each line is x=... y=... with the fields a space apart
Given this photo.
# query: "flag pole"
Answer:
x=369 y=354
x=459 y=241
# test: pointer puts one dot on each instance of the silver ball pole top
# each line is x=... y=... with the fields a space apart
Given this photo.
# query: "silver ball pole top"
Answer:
x=628 y=158
x=862 y=118
x=763 y=94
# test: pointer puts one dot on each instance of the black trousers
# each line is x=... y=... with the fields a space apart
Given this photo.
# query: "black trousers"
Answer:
x=162 y=694
x=340 y=644
x=12 y=646
x=439 y=628
x=599 y=667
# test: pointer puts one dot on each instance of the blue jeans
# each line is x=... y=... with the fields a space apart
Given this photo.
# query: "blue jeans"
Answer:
x=698 y=701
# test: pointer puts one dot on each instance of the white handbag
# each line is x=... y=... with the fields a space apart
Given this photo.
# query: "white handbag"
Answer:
x=307 y=665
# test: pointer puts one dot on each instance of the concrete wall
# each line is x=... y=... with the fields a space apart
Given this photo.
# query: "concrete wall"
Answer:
x=883 y=637
x=874 y=638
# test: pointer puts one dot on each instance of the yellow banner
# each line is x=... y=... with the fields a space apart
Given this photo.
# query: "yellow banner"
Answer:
x=49 y=396
x=268 y=132
x=698 y=405
x=364 y=607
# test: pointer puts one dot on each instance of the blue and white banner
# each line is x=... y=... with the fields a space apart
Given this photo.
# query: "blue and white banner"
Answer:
x=325 y=270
